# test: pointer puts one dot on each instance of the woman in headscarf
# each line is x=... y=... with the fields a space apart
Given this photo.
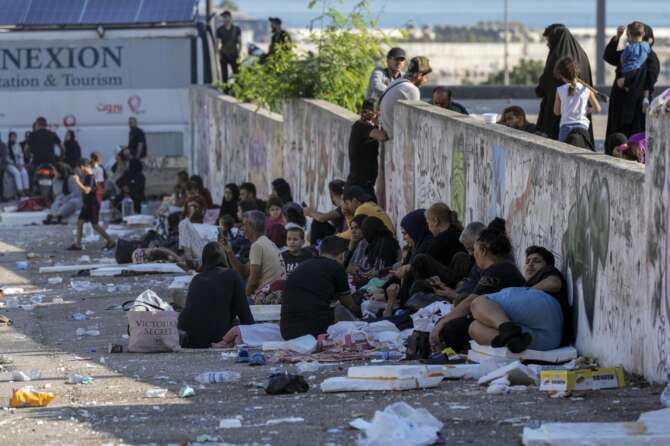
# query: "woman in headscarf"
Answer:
x=561 y=44
x=231 y=197
x=282 y=189
x=215 y=298
x=627 y=111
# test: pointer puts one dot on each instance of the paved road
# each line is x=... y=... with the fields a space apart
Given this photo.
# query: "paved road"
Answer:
x=113 y=409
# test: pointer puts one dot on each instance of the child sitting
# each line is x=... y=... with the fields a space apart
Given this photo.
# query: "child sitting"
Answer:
x=90 y=210
x=296 y=253
x=574 y=99
x=634 y=54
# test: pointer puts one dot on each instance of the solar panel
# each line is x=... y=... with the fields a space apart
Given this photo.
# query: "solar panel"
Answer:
x=166 y=11
x=12 y=12
x=110 y=11
x=54 y=12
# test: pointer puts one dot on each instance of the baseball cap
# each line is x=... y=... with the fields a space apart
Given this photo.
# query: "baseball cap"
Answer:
x=396 y=53
x=419 y=65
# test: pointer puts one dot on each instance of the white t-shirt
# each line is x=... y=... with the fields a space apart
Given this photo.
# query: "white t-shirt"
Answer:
x=573 y=108
x=99 y=174
x=400 y=89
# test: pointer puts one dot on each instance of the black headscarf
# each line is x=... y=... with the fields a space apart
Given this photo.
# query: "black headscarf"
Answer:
x=213 y=255
x=382 y=249
x=561 y=44
x=230 y=207
x=283 y=190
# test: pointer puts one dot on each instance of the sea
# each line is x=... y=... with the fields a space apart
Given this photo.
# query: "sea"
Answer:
x=535 y=14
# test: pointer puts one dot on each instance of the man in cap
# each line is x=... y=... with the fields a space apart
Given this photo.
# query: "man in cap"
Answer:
x=405 y=88
x=279 y=37
x=230 y=44
x=381 y=77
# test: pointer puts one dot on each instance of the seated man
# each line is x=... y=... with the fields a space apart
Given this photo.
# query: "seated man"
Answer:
x=537 y=316
x=442 y=97
x=248 y=193
x=296 y=252
x=312 y=289
x=215 y=299
x=331 y=222
x=358 y=202
x=515 y=117
x=265 y=266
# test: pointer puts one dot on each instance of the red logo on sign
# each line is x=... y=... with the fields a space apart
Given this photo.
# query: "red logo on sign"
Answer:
x=69 y=121
x=109 y=108
x=135 y=103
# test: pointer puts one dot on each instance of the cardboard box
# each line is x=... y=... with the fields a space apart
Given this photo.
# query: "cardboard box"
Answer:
x=577 y=380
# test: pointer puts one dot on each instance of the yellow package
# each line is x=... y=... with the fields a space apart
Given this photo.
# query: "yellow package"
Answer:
x=29 y=397
x=577 y=380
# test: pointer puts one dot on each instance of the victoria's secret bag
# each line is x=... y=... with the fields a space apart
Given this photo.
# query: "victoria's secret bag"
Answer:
x=152 y=325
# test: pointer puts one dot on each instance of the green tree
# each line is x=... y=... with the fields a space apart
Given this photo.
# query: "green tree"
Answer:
x=348 y=49
x=527 y=72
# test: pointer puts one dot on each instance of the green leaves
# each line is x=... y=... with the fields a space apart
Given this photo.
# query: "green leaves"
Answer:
x=348 y=47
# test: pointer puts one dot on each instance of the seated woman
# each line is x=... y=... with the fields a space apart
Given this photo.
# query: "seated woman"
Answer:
x=206 y=194
x=215 y=298
x=492 y=250
x=282 y=189
x=67 y=196
x=631 y=149
x=537 y=316
x=275 y=221
x=195 y=205
x=180 y=188
x=231 y=198
x=355 y=255
x=381 y=253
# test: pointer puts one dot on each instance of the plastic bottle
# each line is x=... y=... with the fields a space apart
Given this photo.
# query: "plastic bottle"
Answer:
x=386 y=356
x=665 y=396
x=127 y=207
x=218 y=377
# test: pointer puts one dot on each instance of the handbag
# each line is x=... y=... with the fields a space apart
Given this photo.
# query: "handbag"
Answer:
x=152 y=325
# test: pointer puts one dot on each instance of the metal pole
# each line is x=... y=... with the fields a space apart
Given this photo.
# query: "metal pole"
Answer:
x=600 y=41
x=208 y=9
x=506 y=69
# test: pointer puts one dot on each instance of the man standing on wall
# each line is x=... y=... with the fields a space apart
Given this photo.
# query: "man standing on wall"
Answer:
x=381 y=78
x=137 y=141
x=230 y=45
x=406 y=88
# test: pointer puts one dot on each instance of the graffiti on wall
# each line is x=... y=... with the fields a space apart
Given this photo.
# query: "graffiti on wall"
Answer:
x=586 y=240
x=497 y=167
x=457 y=179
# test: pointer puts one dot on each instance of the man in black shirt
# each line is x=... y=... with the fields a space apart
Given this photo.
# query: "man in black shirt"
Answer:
x=41 y=143
x=137 y=141
x=311 y=290
x=364 y=150
x=515 y=117
x=230 y=44
x=248 y=193
x=279 y=37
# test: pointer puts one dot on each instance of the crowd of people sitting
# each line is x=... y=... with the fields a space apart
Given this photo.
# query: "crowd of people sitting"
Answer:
x=348 y=263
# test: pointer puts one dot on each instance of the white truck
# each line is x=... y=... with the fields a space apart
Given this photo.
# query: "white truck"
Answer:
x=91 y=80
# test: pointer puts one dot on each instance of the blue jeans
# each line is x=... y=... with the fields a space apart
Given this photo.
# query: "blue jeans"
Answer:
x=566 y=129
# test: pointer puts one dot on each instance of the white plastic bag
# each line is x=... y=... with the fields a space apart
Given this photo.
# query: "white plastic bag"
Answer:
x=399 y=423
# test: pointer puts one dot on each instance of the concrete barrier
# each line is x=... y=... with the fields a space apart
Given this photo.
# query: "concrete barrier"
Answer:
x=605 y=219
x=234 y=142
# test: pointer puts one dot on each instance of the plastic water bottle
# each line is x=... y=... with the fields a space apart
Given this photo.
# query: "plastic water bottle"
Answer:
x=665 y=396
x=127 y=207
x=218 y=377
x=386 y=356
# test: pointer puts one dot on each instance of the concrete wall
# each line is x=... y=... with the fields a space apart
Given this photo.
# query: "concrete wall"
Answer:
x=234 y=142
x=589 y=209
x=316 y=144
x=605 y=219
